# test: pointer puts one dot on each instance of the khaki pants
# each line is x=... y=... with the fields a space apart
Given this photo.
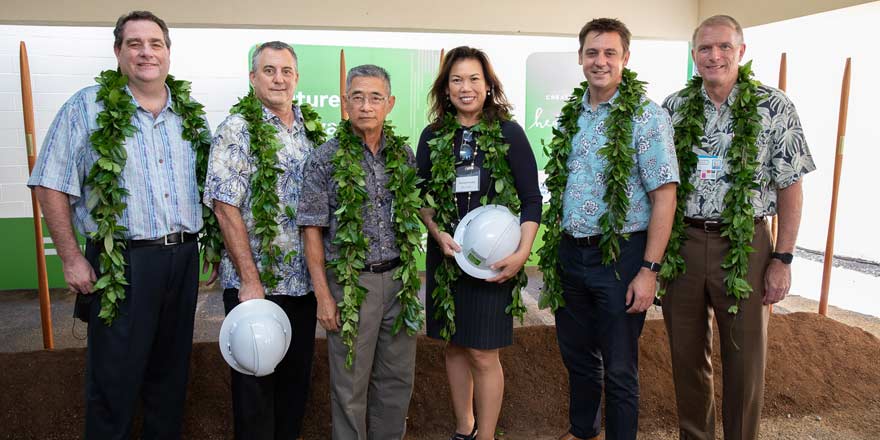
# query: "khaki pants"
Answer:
x=691 y=301
x=379 y=383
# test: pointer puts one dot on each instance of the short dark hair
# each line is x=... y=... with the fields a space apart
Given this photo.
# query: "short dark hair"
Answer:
x=134 y=16
x=495 y=108
x=719 y=20
x=275 y=45
x=602 y=25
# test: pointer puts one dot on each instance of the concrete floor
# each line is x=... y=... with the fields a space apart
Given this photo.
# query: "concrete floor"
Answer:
x=855 y=300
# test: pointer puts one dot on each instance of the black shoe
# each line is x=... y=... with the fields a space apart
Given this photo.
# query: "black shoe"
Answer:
x=471 y=436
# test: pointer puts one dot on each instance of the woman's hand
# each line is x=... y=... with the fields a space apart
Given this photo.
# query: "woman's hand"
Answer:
x=447 y=244
x=508 y=267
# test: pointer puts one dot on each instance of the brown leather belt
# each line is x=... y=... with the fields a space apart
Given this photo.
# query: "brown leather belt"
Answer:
x=711 y=225
x=384 y=266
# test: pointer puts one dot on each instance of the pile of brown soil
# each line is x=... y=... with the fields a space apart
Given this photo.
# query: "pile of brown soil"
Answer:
x=816 y=366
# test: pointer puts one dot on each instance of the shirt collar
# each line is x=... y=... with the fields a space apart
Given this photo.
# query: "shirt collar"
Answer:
x=138 y=105
x=727 y=102
x=586 y=101
x=298 y=122
x=381 y=145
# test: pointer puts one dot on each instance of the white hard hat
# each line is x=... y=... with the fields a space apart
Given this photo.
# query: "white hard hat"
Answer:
x=255 y=336
x=486 y=235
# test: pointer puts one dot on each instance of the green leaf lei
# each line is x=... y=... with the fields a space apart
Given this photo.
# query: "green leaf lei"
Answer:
x=264 y=147
x=105 y=201
x=619 y=154
x=738 y=223
x=403 y=181
x=440 y=197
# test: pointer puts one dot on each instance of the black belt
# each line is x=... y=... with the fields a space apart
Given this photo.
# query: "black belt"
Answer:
x=583 y=241
x=592 y=240
x=168 y=240
x=384 y=266
x=711 y=225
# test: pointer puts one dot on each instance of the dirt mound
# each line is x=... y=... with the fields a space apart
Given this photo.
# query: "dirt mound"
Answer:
x=816 y=366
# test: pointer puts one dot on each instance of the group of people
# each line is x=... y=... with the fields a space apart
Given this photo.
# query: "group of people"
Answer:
x=325 y=229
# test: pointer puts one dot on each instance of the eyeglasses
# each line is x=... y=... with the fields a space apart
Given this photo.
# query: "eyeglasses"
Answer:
x=466 y=151
x=359 y=100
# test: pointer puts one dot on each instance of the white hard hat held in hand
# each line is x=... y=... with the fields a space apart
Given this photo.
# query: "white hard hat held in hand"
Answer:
x=254 y=337
x=487 y=235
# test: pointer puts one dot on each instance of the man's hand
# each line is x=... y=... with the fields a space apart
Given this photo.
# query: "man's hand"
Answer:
x=641 y=291
x=508 y=267
x=777 y=281
x=328 y=313
x=215 y=271
x=79 y=274
x=249 y=291
x=447 y=244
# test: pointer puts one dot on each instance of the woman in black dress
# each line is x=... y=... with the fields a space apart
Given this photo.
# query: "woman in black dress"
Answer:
x=468 y=89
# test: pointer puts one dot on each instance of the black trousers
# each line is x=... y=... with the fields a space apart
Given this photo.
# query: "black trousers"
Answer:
x=272 y=407
x=145 y=351
x=598 y=340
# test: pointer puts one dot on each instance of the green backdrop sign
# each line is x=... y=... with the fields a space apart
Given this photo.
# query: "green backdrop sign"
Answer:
x=412 y=72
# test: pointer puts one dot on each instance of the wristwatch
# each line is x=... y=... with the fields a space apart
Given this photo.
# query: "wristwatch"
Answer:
x=784 y=257
x=652 y=266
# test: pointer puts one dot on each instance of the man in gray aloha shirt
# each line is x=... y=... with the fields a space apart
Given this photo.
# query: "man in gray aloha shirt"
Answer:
x=692 y=298
x=380 y=380
x=272 y=406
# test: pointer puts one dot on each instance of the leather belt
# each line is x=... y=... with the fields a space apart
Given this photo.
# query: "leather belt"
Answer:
x=168 y=240
x=592 y=240
x=711 y=225
x=384 y=266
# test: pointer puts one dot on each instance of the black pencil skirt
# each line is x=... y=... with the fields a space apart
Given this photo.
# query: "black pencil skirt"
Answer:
x=480 y=319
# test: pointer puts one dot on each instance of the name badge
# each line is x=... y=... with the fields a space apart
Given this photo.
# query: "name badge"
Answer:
x=467 y=179
x=709 y=167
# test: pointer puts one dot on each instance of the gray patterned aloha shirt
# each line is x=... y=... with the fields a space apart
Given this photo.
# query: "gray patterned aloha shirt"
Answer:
x=782 y=152
x=229 y=180
x=320 y=200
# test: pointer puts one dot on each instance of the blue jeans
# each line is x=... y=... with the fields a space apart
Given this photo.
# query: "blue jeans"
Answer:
x=598 y=340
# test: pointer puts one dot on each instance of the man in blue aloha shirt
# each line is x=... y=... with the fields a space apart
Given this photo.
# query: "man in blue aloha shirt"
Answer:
x=268 y=407
x=599 y=327
x=142 y=357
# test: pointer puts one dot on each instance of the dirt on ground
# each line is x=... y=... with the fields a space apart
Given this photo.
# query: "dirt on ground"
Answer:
x=822 y=383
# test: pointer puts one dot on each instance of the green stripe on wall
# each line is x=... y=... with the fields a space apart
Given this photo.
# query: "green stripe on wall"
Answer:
x=18 y=261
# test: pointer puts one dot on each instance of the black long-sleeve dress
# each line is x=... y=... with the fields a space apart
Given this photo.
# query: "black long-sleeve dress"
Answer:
x=480 y=319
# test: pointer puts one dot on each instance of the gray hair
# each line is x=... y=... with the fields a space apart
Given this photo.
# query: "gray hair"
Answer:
x=276 y=45
x=368 y=71
x=719 y=20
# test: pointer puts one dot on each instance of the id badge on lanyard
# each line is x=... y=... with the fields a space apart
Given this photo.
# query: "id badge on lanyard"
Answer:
x=467 y=179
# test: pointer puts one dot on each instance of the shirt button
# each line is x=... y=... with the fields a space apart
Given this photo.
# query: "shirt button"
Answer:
x=161 y=160
x=166 y=195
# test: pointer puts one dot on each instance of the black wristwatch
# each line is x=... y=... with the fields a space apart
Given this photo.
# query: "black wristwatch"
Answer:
x=652 y=266
x=784 y=257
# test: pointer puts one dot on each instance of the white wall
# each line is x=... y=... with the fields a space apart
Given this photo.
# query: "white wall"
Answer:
x=64 y=59
x=817 y=47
